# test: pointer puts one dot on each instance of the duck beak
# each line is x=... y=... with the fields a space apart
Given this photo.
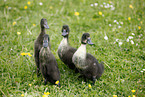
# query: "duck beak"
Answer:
x=64 y=33
x=89 y=41
x=45 y=43
x=46 y=26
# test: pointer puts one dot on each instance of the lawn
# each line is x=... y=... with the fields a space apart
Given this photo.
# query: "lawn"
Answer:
x=117 y=28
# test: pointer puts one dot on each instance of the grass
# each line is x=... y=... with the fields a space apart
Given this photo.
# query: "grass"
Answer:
x=124 y=63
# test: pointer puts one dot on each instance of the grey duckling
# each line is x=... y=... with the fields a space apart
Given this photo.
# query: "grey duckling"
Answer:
x=65 y=51
x=48 y=64
x=39 y=42
x=87 y=64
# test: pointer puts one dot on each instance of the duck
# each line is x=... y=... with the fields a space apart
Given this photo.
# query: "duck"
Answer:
x=87 y=65
x=48 y=64
x=65 y=51
x=39 y=42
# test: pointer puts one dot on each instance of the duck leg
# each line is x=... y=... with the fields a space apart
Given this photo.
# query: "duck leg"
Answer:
x=93 y=79
x=45 y=81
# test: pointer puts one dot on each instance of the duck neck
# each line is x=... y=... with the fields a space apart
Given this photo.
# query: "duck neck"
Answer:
x=65 y=41
x=42 y=31
x=82 y=48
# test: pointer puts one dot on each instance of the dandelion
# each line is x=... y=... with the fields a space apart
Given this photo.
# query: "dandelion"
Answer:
x=57 y=82
x=77 y=13
x=25 y=7
x=132 y=42
x=132 y=33
x=100 y=13
x=139 y=27
x=141 y=71
x=6 y=6
x=14 y=23
x=106 y=38
x=90 y=86
x=50 y=7
x=46 y=93
x=129 y=18
x=28 y=2
x=44 y=96
x=34 y=24
x=114 y=95
x=30 y=85
x=92 y=5
x=22 y=95
x=18 y=33
x=130 y=6
x=133 y=95
x=40 y=3
x=29 y=54
x=129 y=96
x=132 y=91
x=23 y=54
x=120 y=43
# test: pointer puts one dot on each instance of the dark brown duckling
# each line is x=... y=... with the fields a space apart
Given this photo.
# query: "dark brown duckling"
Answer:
x=48 y=64
x=39 y=42
x=87 y=64
x=65 y=51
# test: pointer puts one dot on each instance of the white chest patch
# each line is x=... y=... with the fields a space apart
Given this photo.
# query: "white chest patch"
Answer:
x=79 y=57
x=63 y=46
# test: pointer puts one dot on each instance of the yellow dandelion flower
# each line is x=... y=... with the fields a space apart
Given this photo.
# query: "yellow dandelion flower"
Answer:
x=23 y=54
x=30 y=85
x=114 y=95
x=139 y=27
x=133 y=91
x=14 y=23
x=77 y=13
x=34 y=24
x=130 y=6
x=133 y=96
x=44 y=96
x=46 y=93
x=57 y=82
x=90 y=86
x=100 y=13
x=128 y=96
x=25 y=7
x=28 y=2
x=29 y=54
x=18 y=33
x=50 y=7
x=6 y=6
x=129 y=18
x=22 y=95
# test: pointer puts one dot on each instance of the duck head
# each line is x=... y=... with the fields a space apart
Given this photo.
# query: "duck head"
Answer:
x=65 y=30
x=86 y=39
x=45 y=40
x=44 y=24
